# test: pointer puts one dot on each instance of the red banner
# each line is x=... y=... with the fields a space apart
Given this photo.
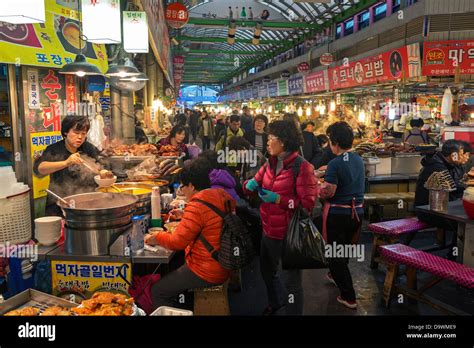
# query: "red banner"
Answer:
x=388 y=66
x=70 y=94
x=316 y=82
x=441 y=58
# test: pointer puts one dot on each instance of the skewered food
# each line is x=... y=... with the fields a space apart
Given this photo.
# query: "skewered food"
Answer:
x=440 y=181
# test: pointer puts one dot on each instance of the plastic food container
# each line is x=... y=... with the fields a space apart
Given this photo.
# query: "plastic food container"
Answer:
x=170 y=311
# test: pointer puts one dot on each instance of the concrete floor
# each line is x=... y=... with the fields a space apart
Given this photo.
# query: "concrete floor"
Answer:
x=320 y=295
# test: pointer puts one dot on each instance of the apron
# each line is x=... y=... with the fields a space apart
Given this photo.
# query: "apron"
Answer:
x=353 y=207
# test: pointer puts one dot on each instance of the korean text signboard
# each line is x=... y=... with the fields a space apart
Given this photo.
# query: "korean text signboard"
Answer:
x=441 y=58
x=39 y=142
x=316 y=82
x=82 y=279
x=296 y=85
x=282 y=87
x=273 y=89
x=400 y=63
x=52 y=44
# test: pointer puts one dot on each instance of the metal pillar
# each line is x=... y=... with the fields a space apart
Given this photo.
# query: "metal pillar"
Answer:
x=116 y=113
x=128 y=117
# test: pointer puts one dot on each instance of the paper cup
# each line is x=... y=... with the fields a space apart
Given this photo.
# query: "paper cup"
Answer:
x=48 y=229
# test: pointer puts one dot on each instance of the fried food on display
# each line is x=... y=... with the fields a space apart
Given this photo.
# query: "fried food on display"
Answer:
x=106 y=304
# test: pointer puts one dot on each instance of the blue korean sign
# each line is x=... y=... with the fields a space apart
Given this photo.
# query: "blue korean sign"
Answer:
x=296 y=85
x=273 y=89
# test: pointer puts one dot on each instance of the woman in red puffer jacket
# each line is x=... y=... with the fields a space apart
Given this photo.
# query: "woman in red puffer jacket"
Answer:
x=281 y=195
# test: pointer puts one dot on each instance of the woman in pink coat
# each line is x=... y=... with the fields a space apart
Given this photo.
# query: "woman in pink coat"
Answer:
x=281 y=195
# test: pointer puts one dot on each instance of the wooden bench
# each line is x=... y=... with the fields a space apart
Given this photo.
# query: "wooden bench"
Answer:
x=211 y=301
x=413 y=259
x=390 y=232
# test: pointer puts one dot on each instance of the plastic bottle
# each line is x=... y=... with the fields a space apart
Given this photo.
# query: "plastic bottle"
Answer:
x=243 y=14
x=231 y=14
x=156 y=207
x=250 y=13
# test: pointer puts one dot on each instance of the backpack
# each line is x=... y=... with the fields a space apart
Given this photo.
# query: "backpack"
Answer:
x=236 y=249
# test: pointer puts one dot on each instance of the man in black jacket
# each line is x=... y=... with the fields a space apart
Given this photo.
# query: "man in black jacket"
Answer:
x=454 y=154
x=311 y=150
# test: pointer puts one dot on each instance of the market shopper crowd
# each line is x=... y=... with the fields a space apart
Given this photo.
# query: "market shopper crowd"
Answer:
x=265 y=190
x=263 y=172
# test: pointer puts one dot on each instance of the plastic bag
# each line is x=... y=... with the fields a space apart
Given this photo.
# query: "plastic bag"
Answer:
x=96 y=135
x=141 y=291
x=304 y=246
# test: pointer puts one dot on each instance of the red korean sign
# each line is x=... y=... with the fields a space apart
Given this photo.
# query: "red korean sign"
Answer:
x=316 y=82
x=441 y=58
x=51 y=114
x=70 y=94
x=177 y=15
x=326 y=59
x=303 y=67
x=388 y=66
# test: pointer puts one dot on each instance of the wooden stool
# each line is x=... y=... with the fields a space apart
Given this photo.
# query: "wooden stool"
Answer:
x=211 y=301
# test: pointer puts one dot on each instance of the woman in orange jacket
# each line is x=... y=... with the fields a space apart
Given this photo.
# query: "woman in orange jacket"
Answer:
x=200 y=269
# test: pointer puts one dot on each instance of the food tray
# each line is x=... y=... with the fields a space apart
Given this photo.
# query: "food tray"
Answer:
x=170 y=311
x=132 y=159
x=36 y=299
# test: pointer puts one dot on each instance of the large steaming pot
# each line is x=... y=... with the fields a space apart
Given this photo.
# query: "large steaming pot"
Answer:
x=95 y=220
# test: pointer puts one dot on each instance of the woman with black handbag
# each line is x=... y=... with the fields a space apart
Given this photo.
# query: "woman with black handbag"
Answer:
x=343 y=192
x=282 y=192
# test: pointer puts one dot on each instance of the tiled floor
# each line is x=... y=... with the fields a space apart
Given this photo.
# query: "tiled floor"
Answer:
x=320 y=295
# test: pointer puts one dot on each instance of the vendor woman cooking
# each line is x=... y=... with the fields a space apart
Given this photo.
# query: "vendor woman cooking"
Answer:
x=63 y=162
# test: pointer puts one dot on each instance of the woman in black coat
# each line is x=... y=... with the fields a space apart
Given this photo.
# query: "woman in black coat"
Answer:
x=257 y=137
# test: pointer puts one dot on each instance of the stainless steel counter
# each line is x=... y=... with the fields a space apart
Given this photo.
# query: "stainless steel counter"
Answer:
x=57 y=253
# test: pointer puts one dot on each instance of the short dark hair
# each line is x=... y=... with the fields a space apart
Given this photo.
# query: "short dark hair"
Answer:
x=340 y=133
x=234 y=118
x=288 y=133
x=211 y=157
x=197 y=173
x=245 y=107
x=452 y=145
x=261 y=117
x=181 y=119
x=305 y=124
x=417 y=122
x=238 y=143
x=79 y=123
x=175 y=130
x=322 y=139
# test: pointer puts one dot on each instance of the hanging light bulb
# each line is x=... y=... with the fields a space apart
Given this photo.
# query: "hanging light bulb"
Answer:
x=270 y=109
x=333 y=106
x=322 y=109
x=308 y=111
x=287 y=108
x=355 y=108
x=362 y=116
x=300 y=111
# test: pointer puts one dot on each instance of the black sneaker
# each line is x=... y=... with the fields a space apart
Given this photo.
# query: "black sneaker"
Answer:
x=270 y=310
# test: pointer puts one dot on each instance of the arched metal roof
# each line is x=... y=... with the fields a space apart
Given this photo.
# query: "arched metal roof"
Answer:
x=204 y=42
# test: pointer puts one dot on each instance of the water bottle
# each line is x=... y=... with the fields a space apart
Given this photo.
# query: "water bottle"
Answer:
x=250 y=13
x=231 y=14
x=243 y=14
